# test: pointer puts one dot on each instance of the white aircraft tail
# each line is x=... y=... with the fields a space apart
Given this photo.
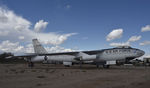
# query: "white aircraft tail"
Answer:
x=38 y=48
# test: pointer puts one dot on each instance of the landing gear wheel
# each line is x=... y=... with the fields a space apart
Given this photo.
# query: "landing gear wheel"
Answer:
x=97 y=65
x=30 y=64
x=80 y=64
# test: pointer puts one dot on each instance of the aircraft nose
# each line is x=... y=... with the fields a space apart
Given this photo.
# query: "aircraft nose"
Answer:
x=141 y=53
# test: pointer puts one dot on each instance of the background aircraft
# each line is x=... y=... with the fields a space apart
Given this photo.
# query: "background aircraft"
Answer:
x=103 y=57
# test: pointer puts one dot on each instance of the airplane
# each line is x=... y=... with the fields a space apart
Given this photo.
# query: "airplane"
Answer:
x=105 y=57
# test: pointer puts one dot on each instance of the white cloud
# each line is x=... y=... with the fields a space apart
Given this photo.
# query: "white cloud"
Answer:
x=68 y=6
x=120 y=44
x=115 y=34
x=145 y=43
x=134 y=38
x=53 y=38
x=15 y=47
x=127 y=43
x=85 y=38
x=7 y=46
x=4 y=33
x=58 y=49
x=21 y=37
x=144 y=56
x=41 y=25
x=14 y=28
x=146 y=28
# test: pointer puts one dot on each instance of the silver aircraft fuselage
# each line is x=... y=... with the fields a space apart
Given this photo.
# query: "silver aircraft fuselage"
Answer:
x=111 y=54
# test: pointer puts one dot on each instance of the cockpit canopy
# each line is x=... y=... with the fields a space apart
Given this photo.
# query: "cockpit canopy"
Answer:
x=124 y=47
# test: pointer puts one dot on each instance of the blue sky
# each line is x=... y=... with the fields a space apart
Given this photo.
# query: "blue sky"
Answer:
x=92 y=20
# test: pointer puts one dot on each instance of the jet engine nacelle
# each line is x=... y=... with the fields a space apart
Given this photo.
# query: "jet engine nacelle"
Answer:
x=38 y=59
x=89 y=57
x=85 y=57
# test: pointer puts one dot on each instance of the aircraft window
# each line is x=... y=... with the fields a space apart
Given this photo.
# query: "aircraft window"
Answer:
x=109 y=51
x=106 y=51
x=124 y=50
x=120 y=50
x=115 y=51
x=128 y=50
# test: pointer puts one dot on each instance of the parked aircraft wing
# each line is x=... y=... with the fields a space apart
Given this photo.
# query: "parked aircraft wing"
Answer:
x=72 y=53
x=93 y=52
x=60 y=53
x=27 y=55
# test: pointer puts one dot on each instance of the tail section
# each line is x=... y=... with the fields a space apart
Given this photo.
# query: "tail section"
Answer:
x=38 y=48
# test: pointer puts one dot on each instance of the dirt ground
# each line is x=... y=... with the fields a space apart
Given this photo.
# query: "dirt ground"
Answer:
x=58 y=76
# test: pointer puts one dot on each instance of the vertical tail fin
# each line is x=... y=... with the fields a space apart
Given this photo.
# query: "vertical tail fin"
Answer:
x=38 y=48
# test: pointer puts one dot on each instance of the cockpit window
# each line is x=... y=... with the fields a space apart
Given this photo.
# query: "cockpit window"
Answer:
x=123 y=47
x=109 y=51
x=106 y=51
